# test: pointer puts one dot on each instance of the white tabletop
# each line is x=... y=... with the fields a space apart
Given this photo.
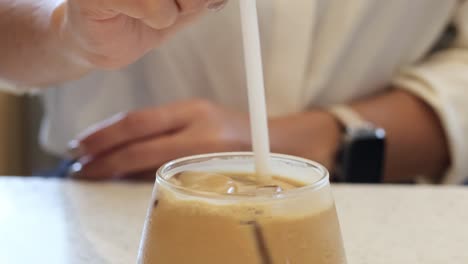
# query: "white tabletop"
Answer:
x=64 y=222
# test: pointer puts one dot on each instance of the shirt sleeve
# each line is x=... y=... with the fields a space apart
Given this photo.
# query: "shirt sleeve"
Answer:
x=442 y=81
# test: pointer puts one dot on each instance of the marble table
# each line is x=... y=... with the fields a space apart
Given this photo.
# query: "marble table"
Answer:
x=64 y=222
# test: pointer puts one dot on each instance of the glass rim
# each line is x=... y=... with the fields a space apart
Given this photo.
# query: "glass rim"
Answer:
x=322 y=181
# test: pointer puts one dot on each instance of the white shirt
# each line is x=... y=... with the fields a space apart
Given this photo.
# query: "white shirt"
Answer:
x=315 y=53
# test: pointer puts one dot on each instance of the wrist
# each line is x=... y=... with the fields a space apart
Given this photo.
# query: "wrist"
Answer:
x=332 y=132
x=313 y=135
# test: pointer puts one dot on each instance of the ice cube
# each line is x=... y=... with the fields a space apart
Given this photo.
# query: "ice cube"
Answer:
x=207 y=181
x=259 y=190
x=247 y=189
x=268 y=189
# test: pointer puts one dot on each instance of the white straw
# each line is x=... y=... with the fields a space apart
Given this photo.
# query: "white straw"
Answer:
x=256 y=89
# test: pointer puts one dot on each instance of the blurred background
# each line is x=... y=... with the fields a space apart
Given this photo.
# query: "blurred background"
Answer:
x=20 y=153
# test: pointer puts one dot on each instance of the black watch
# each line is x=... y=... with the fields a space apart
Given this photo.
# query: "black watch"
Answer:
x=361 y=154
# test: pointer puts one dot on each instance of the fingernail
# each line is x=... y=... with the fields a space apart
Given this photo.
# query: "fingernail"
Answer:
x=75 y=170
x=216 y=5
x=75 y=149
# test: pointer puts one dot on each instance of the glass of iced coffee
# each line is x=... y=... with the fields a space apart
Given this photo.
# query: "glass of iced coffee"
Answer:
x=210 y=209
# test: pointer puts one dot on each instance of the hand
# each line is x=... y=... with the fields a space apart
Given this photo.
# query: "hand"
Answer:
x=141 y=141
x=114 y=33
x=132 y=144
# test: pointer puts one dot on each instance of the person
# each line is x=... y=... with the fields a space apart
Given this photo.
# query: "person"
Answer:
x=374 y=57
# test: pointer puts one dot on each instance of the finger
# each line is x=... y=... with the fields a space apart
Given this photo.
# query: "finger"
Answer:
x=190 y=6
x=124 y=128
x=146 y=155
x=217 y=5
x=142 y=156
x=153 y=37
x=160 y=14
x=157 y=14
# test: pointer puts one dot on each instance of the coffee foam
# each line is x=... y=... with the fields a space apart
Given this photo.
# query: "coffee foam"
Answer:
x=286 y=204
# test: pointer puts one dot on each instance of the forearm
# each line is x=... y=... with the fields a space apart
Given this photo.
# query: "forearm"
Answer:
x=34 y=51
x=416 y=142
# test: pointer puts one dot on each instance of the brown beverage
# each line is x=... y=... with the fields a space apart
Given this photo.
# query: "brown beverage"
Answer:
x=209 y=216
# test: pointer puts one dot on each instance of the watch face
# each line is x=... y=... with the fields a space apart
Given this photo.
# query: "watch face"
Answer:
x=363 y=156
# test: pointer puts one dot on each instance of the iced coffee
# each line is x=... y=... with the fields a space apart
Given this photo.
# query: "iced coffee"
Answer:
x=211 y=209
